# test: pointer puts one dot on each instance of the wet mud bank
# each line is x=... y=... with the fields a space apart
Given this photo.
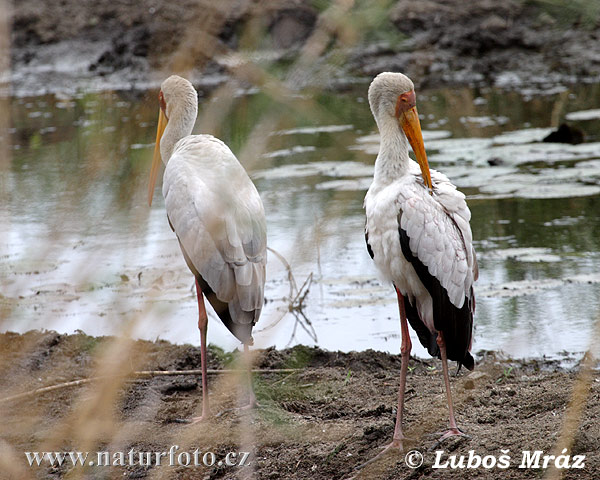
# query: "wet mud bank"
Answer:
x=324 y=415
x=109 y=45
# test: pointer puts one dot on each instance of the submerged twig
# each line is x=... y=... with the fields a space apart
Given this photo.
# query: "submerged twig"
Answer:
x=295 y=300
x=288 y=268
x=306 y=326
x=298 y=301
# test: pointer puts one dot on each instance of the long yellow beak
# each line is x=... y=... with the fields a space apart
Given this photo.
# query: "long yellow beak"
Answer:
x=156 y=160
x=409 y=121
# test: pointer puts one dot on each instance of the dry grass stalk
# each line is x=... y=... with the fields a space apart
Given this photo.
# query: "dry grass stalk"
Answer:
x=138 y=375
x=576 y=407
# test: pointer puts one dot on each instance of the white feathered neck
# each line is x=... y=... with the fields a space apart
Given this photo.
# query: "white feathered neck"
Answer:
x=393 y=160
x=181 y=100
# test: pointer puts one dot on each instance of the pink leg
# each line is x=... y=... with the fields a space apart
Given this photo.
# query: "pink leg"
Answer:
x=202 y=326
x=453 y=430
x=405 y=348
x=405 y=352
x=252 y=400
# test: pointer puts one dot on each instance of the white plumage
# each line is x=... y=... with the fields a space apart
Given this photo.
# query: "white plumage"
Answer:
x=439 y=232
x=216 y=213
x=418 y=234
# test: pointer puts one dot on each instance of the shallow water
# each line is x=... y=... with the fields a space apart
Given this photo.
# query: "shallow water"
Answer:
x=81 y=249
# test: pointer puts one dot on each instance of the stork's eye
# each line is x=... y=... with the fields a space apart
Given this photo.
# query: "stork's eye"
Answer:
x=405 y=102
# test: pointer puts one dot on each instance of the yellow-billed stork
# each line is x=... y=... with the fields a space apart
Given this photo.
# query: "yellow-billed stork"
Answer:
x=418 y=234
x=217 y=214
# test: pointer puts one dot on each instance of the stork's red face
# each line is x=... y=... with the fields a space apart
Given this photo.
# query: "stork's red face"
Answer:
x=162 y=124
x=408 y=119
x=162 y=103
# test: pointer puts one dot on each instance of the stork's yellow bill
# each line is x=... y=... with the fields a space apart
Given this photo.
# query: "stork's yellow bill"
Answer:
x=156 y=160
x=408 y=118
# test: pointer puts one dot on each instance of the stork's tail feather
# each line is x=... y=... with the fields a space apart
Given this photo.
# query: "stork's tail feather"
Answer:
x=427 y=339
x=468 y=361
x=456 y=324
x=241 y=331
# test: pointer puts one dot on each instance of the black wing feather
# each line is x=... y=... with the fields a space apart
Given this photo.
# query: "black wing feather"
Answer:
x=426 y=337
x=242 y=331
x=456 y=324
x=369 y=249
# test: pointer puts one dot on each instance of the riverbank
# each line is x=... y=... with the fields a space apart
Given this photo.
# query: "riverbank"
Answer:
x=322 y=413
x=105 y=45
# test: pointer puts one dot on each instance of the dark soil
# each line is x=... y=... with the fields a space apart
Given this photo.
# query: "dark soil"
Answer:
x=61 y=44
x=321 y=421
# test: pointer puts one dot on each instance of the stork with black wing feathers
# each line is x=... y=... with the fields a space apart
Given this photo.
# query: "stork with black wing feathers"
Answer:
x=419 y=236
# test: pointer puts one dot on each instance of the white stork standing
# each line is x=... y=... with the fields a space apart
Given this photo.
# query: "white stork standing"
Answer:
x=418 y=234
x=215 y=210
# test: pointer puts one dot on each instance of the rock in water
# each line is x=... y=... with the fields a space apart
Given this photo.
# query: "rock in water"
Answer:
x=565 y=134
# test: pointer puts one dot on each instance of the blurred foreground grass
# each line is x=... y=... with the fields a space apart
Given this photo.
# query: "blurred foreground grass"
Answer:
x=89 y=416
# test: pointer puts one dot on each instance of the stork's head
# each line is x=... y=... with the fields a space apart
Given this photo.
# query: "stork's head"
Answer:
x=392 y=96
x=385 y=91
x=177 y=93
x=178 y=102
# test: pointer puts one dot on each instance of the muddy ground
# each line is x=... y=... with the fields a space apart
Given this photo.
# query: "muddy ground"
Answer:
x=106 y=44
x=320 y=421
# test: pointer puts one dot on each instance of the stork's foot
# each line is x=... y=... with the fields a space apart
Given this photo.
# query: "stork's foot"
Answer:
x=397 y=445
x=202 y=418
x=451 y=432
x=246 y=408
x=250 y=405
x=206 y=416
